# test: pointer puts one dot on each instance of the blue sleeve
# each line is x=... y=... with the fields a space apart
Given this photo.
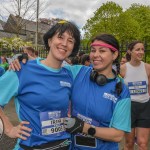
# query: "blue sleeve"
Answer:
x=74 y=69
x=9 y=84
x=122 y=115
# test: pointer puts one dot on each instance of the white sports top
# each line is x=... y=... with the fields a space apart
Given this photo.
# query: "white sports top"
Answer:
x=137 y=80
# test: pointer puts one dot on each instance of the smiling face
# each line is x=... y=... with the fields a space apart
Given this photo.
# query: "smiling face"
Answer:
x=102 y=57
x=137 y=52
x=61 y=46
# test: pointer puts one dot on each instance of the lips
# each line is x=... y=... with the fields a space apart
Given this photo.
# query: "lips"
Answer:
x=62 y=50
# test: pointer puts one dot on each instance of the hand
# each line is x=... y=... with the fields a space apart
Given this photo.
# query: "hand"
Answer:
x=20 y=131
x=15 y=64
x=23 y=58
x=73 y=125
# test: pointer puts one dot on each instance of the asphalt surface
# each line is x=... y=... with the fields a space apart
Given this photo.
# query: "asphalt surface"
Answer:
x=7 y=143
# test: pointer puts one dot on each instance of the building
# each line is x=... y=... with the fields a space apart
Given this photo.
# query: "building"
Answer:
x=25 y=29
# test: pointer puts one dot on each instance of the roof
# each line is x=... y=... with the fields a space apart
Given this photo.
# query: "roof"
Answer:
x=2 y=23
x=31 y=25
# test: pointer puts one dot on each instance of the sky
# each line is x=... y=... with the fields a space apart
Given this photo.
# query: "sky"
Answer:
x=77 y=11
x=81 y=10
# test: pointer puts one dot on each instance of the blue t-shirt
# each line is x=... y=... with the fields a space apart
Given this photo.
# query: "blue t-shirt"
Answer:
x=42 y=97
x=99 y=106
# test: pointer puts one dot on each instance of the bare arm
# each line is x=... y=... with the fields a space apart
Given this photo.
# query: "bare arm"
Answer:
x=108 y=134
x=19 y=131
x=147 y=67
x=123 y=70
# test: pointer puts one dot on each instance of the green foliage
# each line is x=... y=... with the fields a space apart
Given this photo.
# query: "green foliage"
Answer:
x=13 y=43
x=132 y=24
x=128 y=25
x=104 y=20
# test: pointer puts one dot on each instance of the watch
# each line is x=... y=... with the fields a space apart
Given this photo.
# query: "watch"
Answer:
x=92 y=130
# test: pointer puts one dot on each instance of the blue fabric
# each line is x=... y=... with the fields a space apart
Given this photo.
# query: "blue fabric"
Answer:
x=100 y=106
x=38 y=89
x=2 y=71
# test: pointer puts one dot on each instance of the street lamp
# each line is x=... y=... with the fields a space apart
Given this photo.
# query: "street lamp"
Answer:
x=37 y=19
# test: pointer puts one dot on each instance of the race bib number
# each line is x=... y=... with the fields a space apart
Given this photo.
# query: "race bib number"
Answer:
x=136 y=88
x=52 y=123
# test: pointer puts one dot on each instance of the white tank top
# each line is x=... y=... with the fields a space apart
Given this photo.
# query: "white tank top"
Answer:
x=137 y=80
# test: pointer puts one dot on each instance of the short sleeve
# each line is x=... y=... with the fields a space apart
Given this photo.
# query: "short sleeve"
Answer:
x=121 y=118
x=9 y=84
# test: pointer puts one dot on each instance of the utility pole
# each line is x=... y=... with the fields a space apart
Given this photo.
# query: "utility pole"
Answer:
x=37 y=19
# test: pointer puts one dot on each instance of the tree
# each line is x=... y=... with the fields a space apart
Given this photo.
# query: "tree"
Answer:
x=21 y=12
x=104 y=20
x=128 y=25
x=127 y=28
x=141 y=14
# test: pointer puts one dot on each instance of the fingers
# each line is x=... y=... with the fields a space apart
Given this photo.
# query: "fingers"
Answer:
x=15 y=65
x=22 y=131
x=11 y=67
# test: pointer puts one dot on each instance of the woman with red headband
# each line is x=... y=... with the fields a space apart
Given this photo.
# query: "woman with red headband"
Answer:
x=101 y=106
x=100 y=113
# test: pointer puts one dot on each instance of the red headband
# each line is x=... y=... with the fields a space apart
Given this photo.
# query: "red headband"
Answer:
x=105 y=45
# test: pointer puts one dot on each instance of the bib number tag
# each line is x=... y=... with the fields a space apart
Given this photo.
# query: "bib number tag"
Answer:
x=52 y=123
x=136 y=88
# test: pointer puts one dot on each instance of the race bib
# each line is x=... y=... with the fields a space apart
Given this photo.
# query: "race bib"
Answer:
x=139 y=87
x=52 y=123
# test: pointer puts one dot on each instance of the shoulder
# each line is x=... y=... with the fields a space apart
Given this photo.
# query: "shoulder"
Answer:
x=76 y=69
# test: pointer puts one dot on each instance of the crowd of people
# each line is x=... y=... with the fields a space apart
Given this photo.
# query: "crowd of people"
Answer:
x=78 y=101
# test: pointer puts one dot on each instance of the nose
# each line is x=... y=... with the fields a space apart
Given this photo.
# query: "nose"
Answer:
x=64 y=42
x=96 y=54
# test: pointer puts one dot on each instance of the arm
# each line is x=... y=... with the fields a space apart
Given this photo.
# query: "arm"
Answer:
x=123 y=70
x=120 y=122
x=15 y=64
x=108 y=134
x=7 y=92
x=19 y=131
x=147 y=67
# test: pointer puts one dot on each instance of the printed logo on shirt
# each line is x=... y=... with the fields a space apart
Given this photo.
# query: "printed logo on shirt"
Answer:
x=110 y=97
x=86 y=119
x=138 y=87
x=66 y=84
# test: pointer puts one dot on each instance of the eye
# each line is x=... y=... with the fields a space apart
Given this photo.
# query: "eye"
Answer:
x=92 y=50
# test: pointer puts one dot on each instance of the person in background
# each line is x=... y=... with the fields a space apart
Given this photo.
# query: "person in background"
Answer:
x=74 y=60
x=85 y=60
x=30 y=51
x=79 y=55
x=100 y=108
x=36 y=54
x=4 y=63
x=123 y=60
x=42 y=90
x=136 y=76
